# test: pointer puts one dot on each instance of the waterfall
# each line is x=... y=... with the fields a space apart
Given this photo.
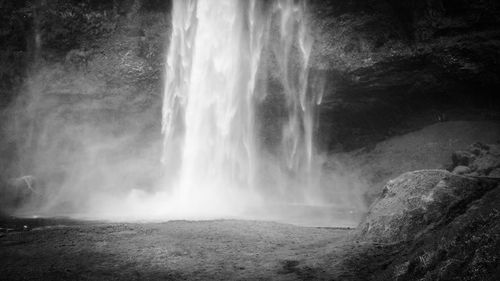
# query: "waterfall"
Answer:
x=219 y=56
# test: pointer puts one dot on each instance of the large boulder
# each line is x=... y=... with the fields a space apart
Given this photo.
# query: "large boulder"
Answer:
x=419 y=201
x=466 y=247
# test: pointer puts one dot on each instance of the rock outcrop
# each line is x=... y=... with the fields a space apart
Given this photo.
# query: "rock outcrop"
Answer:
x=419 y=201
x=465 y=247
x=445 y=225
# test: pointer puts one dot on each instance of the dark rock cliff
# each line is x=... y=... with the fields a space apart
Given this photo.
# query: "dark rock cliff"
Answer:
x=389 y=66
x=393 y=66
x=90 y=88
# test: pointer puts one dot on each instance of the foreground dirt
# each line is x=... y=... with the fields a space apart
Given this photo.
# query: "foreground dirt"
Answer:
x=182 y=250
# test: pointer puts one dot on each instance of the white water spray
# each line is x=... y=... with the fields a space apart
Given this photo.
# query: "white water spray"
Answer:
x=239 y=118
x=214 y=65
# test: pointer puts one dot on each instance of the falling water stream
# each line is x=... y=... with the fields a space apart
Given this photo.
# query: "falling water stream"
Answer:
x=221 y=55
x=239 y=123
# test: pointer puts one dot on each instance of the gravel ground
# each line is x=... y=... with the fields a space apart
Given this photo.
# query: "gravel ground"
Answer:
x=181 y=250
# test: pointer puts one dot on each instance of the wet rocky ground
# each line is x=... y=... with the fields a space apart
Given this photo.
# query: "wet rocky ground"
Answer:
x=62 y=249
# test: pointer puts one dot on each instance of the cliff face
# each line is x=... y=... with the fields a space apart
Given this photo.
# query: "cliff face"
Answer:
x=394 y=66
x=88 y=92
x=389 y=66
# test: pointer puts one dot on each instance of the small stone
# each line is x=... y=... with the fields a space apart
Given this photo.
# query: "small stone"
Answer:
x=462 y=158
x=479 y=149
x=461 y=170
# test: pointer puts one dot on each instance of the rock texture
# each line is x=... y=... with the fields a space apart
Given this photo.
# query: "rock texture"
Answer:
x=391 y=66
x=93 y=94
x=444 y=226
x=417 y=202
x=479 y=160
x=467 y=248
